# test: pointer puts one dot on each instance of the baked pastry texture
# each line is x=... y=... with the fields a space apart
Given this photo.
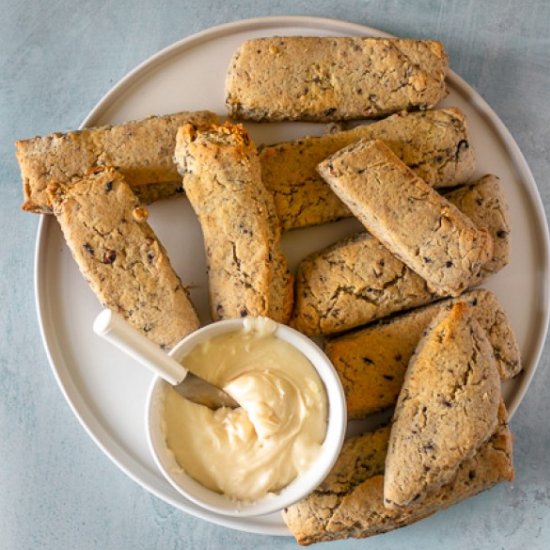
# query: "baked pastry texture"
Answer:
x=248 y=274
x=484 y=203
x=119 y=255
x=141 y=150
x=447 y=407
x=333 y=78
x=353 y=282
x=357 y=280
x=372 y=361
x=350 y=501
x=435 y=144
x=429 y=234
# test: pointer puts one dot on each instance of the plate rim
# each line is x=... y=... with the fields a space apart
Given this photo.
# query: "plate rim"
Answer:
x=95 y=430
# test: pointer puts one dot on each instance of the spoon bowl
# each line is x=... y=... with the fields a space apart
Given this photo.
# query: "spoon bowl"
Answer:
x=304 y=483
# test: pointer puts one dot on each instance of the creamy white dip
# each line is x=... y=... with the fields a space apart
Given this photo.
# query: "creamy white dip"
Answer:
x=277 y=433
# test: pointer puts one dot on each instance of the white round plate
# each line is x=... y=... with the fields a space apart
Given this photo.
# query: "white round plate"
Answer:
x=105 y=390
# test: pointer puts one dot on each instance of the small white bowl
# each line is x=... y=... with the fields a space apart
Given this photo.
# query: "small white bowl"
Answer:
x=305 y=483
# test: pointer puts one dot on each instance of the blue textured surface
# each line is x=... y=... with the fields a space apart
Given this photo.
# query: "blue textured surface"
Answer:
x=57 y=58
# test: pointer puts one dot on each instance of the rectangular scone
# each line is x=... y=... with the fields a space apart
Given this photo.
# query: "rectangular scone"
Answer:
x=357 y=280
x=333 y=78
x=434 y=144
x=428 y=233
x=119 y=255
x=141 y=150
x=349 y=503
x=248 y=274
x=371 y=362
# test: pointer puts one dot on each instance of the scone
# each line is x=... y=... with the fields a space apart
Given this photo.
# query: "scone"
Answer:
x=247 y=272
x=484 y=203
x=428 y=233
x=447 y=407
x=435 y=144
x=141 y=150
x=333 y=78
x=119 y=255
x=371 y=362
x=353 y=282
x=350 y=501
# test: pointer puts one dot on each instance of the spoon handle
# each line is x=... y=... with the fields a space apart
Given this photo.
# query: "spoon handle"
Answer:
x=116 y=330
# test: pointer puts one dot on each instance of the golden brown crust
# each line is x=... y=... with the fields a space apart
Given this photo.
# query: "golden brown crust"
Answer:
x=248 y=274
x=353 y=282
x=484 y=203
x=372 y=362
x=333 y=78
x=429 y=234
x=447 y=407
x=434 y=144
x=141 y=150
x=119 y=255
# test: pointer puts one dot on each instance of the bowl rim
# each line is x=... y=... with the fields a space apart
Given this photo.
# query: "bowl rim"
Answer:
x=297 y=489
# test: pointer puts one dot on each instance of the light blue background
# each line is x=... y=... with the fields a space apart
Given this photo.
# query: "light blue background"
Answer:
x=57 y=59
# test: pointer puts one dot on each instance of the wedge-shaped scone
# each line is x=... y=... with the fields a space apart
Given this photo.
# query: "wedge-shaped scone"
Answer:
x=357 y=280
x=429 y=234
x=247 y=271
x=333 y=78
x=119 y=255
x=350 y=502
x=447 y=407
x=141 y=150
x=434 y=144
x=372 y=362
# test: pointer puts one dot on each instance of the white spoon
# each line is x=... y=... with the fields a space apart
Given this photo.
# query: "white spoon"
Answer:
x=116 y=330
